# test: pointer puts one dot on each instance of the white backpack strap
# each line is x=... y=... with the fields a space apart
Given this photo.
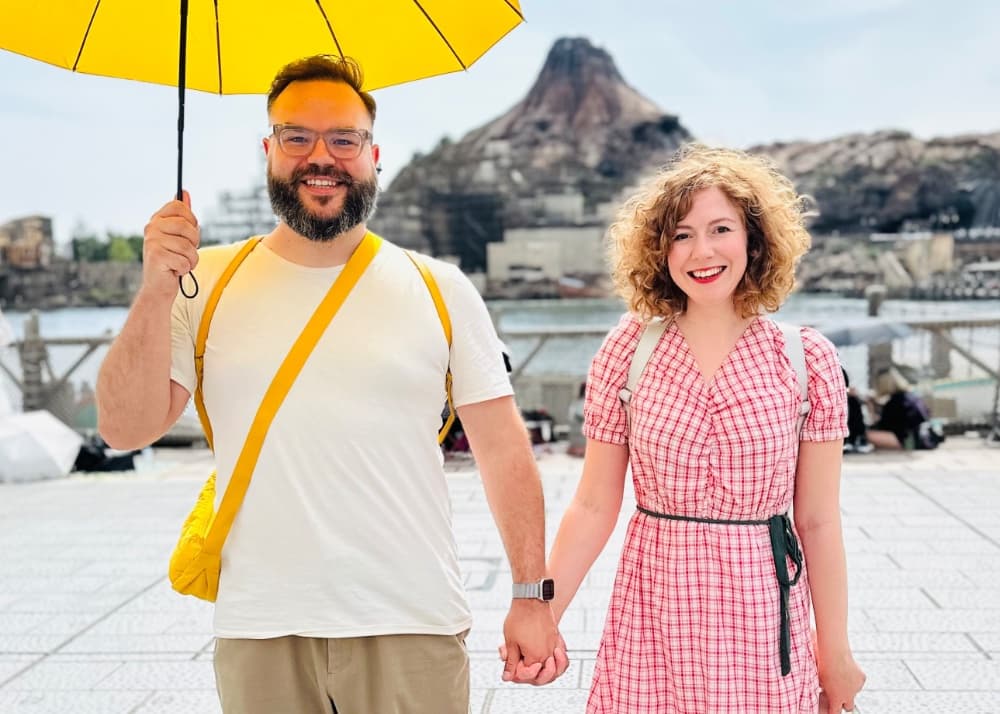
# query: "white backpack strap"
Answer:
x=647 y=343
x=797 y=356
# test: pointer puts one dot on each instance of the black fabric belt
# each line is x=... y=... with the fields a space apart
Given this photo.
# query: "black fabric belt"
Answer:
x=784 y=545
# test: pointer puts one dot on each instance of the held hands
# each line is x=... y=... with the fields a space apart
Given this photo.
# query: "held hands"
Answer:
x=534 y=652
x=170 y=247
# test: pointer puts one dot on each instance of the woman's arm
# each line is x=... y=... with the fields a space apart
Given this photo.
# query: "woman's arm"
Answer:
x=817 y=520
x=589 y=520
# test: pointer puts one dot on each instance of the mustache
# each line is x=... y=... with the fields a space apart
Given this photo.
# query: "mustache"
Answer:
x=313 y=170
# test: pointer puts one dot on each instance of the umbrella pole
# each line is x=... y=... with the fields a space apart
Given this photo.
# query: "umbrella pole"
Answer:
x=181 y=81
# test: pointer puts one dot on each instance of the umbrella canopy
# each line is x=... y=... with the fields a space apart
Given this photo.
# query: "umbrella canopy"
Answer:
x=237 y=46
x=36 y=445
x=864 y=331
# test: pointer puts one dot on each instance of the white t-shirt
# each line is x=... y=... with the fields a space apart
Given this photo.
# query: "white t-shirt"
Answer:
x=345 y=530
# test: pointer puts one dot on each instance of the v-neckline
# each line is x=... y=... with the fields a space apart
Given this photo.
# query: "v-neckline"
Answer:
x=696 y=367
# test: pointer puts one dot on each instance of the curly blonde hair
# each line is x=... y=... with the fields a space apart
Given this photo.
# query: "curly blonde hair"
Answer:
x=773 y=214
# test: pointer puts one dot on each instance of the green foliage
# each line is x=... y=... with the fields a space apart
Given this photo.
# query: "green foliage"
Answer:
x=114 y=247
x=121 y=250
x=89 y=249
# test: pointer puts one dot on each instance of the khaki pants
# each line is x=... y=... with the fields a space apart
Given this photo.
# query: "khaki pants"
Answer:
x=387 y=674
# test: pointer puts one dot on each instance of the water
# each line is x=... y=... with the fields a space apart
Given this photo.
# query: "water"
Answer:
x=65 y=322
x=572 y=355
x=569 y=355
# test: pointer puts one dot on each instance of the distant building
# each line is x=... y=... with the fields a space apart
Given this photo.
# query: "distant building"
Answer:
x=26 y=243
x=239 y=215
x=462 y=225
x=547 y=252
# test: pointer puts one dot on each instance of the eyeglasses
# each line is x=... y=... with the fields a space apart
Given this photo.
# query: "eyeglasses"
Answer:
x=341 y=143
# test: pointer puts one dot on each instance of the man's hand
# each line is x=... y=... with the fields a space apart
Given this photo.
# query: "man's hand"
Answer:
x=170 y=247
x=534 y=652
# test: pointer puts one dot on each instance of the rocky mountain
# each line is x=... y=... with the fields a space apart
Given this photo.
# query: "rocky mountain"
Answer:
x=890 y=181
x=578 y=136
x=565 y=153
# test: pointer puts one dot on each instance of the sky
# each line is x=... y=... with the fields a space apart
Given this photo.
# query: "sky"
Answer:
x=99 y=154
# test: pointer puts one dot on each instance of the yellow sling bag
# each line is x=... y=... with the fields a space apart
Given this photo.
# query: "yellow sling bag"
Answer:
x=197 y=558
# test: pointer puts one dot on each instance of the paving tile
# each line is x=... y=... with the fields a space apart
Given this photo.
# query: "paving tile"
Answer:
x=20 y=623
x=76 y=702
x=134 y=624
x=53 y=676
x=62 y=603
x=935 y=620
x=887 y=675
x=29 y=567
x=958 y=676
x=161 y=676
x=477 y=700
x=965 y=598
x=587 y=664
x=982 y=578
x=927 y=703
x=181 y=702
x=911 y=577
x=526 y=700
x=911 y=642
x=989 y=641
x=136 y=643
x=958 y=561
x=65 y=624
x=11 y=665
x=121 y=657
x=49 y=584
x=877 y=598
x=30 y=644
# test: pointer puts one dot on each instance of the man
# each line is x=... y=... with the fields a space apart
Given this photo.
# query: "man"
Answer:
x=340 y=588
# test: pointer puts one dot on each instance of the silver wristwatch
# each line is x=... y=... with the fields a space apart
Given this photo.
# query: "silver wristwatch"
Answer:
x=544 y=589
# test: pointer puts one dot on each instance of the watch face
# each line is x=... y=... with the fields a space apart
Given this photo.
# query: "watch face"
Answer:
x=548 y=589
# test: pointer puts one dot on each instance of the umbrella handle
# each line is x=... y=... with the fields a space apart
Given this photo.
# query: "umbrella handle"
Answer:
x=181 y=80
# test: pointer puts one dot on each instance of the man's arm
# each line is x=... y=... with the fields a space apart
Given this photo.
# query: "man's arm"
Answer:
x=500 y=444
x=136 y=400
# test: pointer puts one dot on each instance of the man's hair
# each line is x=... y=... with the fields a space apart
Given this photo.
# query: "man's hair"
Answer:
x=331 y=68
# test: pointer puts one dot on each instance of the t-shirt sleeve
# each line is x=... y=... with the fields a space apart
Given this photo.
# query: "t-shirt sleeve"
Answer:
x=477 y=366
x=185 y=315
x=827 y=418
x=603 y=413
x=183 y=330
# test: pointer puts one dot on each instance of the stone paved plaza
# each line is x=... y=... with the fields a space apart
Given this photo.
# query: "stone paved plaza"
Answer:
x=88 y=622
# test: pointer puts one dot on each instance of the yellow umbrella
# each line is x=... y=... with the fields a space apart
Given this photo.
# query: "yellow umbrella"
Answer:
x=237 y=46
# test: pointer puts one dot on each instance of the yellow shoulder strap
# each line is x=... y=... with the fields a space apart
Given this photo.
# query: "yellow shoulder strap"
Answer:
x=282 y=382
x=442 y=311
x=206 y=322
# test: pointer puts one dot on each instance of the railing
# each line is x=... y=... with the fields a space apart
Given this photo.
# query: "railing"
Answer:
x=942 y=345
x=39 y=385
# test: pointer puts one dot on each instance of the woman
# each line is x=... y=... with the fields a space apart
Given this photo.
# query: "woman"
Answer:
x=698 y=621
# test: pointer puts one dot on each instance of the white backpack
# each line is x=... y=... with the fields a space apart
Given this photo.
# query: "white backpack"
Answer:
x=655 y=329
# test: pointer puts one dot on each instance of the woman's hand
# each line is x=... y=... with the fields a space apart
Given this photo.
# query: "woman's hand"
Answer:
x=840 y=679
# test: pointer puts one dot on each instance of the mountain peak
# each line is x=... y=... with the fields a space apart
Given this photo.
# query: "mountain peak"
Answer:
x=578 y=89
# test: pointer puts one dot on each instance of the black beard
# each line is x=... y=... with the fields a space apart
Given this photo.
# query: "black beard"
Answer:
x=359 y=203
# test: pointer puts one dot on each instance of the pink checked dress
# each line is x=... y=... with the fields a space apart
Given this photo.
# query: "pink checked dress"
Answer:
x=694 y=622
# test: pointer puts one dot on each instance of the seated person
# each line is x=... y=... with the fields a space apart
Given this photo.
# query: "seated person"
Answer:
x=857 y=437
x=904 y=420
